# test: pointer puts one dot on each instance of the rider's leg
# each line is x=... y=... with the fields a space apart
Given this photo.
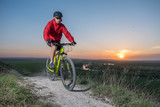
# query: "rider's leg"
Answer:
x=53 y=51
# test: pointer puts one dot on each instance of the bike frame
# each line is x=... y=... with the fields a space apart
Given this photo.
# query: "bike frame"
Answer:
x=57 y=63
x=63 y=65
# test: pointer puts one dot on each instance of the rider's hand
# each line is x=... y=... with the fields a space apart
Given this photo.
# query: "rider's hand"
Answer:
x=73 y=43
x=48 y=42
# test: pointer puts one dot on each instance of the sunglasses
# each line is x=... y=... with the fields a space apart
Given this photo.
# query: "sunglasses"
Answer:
x=58 y=18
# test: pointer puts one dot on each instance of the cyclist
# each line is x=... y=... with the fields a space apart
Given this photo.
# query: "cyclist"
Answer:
x=53 y=34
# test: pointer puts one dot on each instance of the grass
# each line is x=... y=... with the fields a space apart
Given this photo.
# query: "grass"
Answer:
x=124 y=90
x=121 y=96
x=15 y=95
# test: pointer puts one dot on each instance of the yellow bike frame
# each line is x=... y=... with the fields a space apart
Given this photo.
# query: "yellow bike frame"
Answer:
x=57 y=64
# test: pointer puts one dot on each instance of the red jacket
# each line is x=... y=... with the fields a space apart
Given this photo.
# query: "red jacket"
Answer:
x=54 y=31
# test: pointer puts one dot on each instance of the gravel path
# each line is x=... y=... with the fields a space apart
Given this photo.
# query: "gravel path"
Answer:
x=54 y=92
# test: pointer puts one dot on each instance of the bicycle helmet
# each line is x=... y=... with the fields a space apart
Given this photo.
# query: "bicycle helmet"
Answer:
x=58 y=14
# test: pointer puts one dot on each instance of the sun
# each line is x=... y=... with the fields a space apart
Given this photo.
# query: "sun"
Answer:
x=121 y=56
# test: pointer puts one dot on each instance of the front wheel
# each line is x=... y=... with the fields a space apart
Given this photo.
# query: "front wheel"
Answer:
x=68 y=73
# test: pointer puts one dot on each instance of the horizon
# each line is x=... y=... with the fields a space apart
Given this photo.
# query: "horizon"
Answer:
x=105 y=29
x=34 y=58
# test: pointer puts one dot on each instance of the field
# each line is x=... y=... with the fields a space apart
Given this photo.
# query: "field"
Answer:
x=135 y=83
x=112 y=78
x=26 y=66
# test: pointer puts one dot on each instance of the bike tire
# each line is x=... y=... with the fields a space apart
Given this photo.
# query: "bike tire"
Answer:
x=68 y=73
x=50 y=75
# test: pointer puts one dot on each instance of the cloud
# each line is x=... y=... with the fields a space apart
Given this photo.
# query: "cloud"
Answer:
x=126 y=53
x=109 y=51
x=146 y=57
x=157 y=47
x=122 y=51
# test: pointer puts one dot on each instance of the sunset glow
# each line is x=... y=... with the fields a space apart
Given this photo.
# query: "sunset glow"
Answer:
x=122 y=53
x=121 y=56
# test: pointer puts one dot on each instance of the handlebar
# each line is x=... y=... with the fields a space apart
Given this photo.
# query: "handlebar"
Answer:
x=62 y=44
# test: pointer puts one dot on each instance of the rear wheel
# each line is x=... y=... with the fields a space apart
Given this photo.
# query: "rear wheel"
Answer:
x=50 y=72
x=68 y=73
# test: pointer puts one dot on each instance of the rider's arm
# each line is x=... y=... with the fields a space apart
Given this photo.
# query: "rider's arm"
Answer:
x=46 y=32
x=67 y=34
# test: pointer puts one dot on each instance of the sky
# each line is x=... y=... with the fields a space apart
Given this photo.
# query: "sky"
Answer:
x=103 y=29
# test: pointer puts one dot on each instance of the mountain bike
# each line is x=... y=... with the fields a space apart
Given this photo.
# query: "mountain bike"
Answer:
x=63 y=65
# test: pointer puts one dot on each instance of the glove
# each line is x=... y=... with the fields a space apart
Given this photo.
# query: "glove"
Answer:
x=48 y=42
x=73 y=43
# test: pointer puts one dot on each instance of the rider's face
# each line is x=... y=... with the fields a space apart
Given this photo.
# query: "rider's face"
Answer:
x=58 y=20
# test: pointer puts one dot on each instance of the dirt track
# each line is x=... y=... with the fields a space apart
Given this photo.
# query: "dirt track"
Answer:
x=54 y=92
